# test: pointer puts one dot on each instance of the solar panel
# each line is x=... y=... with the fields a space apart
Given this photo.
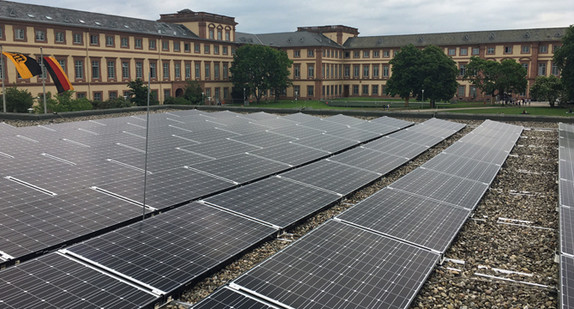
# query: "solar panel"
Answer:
x=354 y=134
x=218 y=149
x=566 y=192
x=299 y=117
x=370 y=160
x=241 y=168
x=263 y=139
x=463 y=167
x=376 y=127
x=165 y=189
x=175 y=247
x=322 y=124
x=297 y=131
x=567 y=281
x=477 y=152
x=332 y=176
x=290 y=153
x=394 y=122
x=442 y=187
x=567 y=230
x=275 y=200
x=55 y=281
x=340 y=266
x=412 y=218
x=345 y=120
x=226 y=298
x=326 y=142
x=417 y=138
x=397 y=147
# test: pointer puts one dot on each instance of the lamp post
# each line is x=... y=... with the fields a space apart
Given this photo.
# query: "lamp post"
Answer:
x=244 y=96
x=423 y=99
x=202 y=98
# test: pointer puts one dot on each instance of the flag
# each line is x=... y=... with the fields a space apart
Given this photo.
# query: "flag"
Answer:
x=60 y=79
x=26 y=66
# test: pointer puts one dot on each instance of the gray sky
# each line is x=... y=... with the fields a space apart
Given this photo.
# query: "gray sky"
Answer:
x=371 y=17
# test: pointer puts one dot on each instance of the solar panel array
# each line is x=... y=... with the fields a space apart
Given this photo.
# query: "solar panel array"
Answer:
x=566 y=196
x=378 y=253
x=164 y=252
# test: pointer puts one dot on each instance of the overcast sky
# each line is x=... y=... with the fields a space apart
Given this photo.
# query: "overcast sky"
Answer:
x=371 y=17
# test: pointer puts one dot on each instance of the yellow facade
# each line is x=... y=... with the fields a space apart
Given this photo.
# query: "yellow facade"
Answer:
x=101 y=60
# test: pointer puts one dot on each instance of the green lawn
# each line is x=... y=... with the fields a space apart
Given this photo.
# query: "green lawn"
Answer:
x=538 y=111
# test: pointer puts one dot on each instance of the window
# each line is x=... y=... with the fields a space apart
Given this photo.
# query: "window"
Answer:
x=365 y=89
x=110 y=41
x=216 y=49
x=186 y=47
x=356 y=70
x=97 y=96
x=125 y=42
x=452 y=51
x=166 y=93
x=152 y=70
x=40 y=36
x=508 y=49
x=347 y=70
x=216 y=70
x=365 y=70
x=62 y=63
x=525 y=49
x=187 y=70
x=206 y=48
x=543 y=49
x=211 y=33
x=197 y=70
x=356 y=54
x=376 y=70
x=461 y=91
x=296 y=53
x=177 y=70
x=310 y=53
x=79 y=69
x=20 y=34
x=375 y=90
x=78 y=38
x=310 y=71
x=225 y=50
x=165 y=70
x=376 y=54
x=113 y=95
x=554 y=69
x=125 y=70
x=366 y=54
x=386 y=54
x=525 y=66
x=197 y=47
x=165 y=45
x=95 y=69
x=60 y=37
x=473 y=92
x=297 y=71
x=310 y=91
x=176 y=46
x=111 y=69
x=219 y=34
x=462 y=69
x=138 y=43
x=225 y=71
x=490 y=50
x=127 y=94
x=385 y=71
x=464 y=51
x=476 y=51
x=1 y=31
x=355 y=89
x=139 y=69
x=207 y=70
x=542 y=69
x=94 y=39
x=152 y=44
x=80 y=95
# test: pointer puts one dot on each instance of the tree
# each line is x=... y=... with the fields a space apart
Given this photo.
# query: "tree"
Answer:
x=18 y=101
x=139 y=92
x=405 y=75
x=63 y=102
x=193 y=92
x=438 y=72
x=564 y=60
x=429 y=69
x=496 y=78
x=259 y=68
x=547 y=89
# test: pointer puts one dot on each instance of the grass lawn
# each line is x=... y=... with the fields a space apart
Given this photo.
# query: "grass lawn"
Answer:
x=535 y=110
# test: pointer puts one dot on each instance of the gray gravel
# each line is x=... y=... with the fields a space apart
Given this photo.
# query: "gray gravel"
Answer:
x=502 y=258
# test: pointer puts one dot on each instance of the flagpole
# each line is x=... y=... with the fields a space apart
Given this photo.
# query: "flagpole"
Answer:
x=3 y=73
x=146 y=147
x=43 y=79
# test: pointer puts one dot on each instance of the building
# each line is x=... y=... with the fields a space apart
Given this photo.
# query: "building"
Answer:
x=101 y=53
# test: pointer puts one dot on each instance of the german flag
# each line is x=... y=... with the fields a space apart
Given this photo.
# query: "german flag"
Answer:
x=60 y=79
x=26 y=66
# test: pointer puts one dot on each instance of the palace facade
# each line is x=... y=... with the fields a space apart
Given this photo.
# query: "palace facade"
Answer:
x=101 y=53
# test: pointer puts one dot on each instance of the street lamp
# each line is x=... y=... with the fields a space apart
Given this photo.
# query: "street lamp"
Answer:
x=244 y=99
x=423 y=98
x=202 y=98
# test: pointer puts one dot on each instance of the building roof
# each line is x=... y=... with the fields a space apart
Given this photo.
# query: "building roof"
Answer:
x=58 y=16
x=458 y=38
x=286 y=39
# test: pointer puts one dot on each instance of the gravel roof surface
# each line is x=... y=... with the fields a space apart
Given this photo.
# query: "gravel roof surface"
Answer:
x=504 y=256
